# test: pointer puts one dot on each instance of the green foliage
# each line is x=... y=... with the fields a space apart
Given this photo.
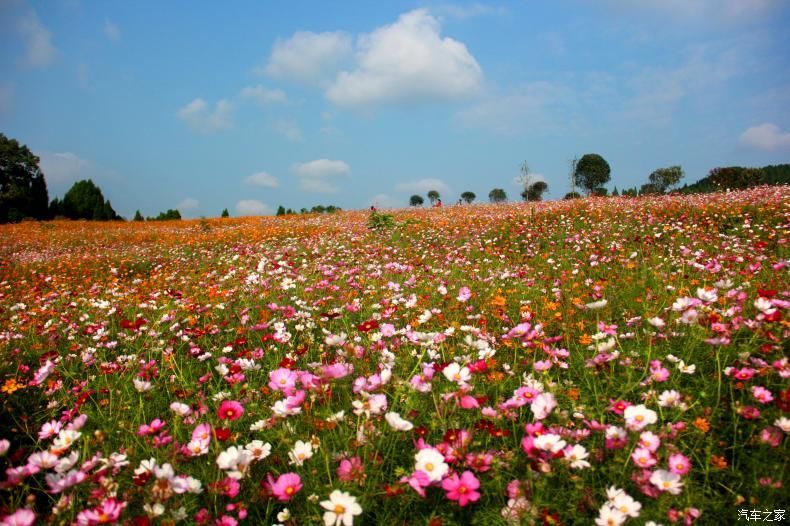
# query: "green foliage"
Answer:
x=734 y=177
x=138 y=216
x=534 y=191
x=497 y=195
x=23 y=189
x=650 y=189
x=572 y=195
x=225 y=213
x=663 y=179
x=592 y=172
x=379 y=221
x=281 y=210
x=416 y=200
x=468 y=197
x=169 y=215
x=433 y=196
x=84 y=200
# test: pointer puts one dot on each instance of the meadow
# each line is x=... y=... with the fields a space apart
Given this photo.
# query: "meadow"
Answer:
x=596 y=361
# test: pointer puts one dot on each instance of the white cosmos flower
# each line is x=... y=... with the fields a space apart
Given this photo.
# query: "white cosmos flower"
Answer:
x=397 y=422
x=549 y=442
x=258 y=450
x=341 y=508
x=432 y=463
x=666 y=481
x=608 y=516
x=455 y=373
x=783 y=423
x=543 y=405
x=576 y=456
x=600 y=304
x=300 y=452
x=639 y=416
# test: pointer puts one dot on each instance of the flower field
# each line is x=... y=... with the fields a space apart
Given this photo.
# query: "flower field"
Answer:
x=601 y=361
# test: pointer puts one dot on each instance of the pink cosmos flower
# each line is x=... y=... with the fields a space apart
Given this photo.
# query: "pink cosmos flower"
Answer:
x=679 y=464
x=21 y=517
x=230 y=410
x=464 y=294
x=463 y=488
x=283 y=379
x=418 y=480
x=643 y=457
x=762 y=395
x=350 y=469
x=105 y=513
x=285 y=487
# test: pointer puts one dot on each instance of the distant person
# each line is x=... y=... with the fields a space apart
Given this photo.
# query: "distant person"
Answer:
x=438 y=203
x=460 y=201
x=372 y=208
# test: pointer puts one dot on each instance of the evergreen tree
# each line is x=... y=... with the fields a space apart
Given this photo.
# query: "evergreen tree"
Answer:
x=225 y=213
x=23 y=189
x=138 y=216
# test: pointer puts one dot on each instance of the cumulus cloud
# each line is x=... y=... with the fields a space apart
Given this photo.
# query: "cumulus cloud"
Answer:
x=316 y=176
x=199 y=117
x=262 y=179
x=111 y=31
x=423 y=186
x=407 y=62
x=766 y=136
x=308 y=57
x=64 y=167
x=189 y=203
x=385 y=201
x=321 y=168
x=251 y=207
x=263 y=95
x=288 y=129
x=40 y=52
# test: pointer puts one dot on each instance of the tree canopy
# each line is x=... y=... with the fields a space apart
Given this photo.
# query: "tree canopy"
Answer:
x=468 y=197
x=433 y=196
x=416 y=200
x=663 y=179
x=84 y=200
x=534 y=191
x=497 y=195
x=592 y=172
x=23 y=189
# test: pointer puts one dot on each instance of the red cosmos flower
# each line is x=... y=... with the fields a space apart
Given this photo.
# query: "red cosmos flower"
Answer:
x=783 y=400
x=222 y=434
x=230 y=410
x=368 y=325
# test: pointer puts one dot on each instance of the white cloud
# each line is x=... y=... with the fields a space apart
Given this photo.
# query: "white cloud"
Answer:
x=533 y=106
x=200 y=118
x=111 y=31
x=189 y=203
x=385 y=201
x=423 y=186
x=288 y=129
x=262 y=179
x=40 y=52
x=64 y=167
x=407 y=62
x=766 y=136
x=315 y=176
x=321 y=168
x=307 y=57
x=251 y=207
x=263 y=95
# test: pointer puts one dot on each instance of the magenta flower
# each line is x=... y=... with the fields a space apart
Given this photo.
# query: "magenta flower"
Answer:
x=350 y=469
x=282 y=379
x=679 y=464
x=286 y=486
x=230 y=410
x=109 y=511
x=463 y=488
x=21 y=517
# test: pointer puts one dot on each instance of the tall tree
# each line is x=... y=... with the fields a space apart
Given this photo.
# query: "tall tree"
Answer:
x=138 y=216
x=468 y=197
x=84 y=200
x=592 y=172
x=433 y=196
x=497 y=195
x=23 y=189
x=663 y=179
x=225 y=213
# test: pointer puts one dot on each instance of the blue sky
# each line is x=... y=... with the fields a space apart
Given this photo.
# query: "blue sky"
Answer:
x=202 y=106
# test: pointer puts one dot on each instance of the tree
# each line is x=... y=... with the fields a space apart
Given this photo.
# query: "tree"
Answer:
x=416 y=200
x=497 y=195
x=468 y=197
x=84 y=200
x=433 y=196
x=225 y=213
x=615 y=193
x=281 y=210
x=735 y=177
x=169 y=215
x=572 y=195
x=650 y=189
x=592 y=172
x=534 y=192
x=23 y=189
x=663 y=179
x=138 y=216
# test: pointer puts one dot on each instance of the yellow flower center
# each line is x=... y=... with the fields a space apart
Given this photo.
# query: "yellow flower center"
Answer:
x=429 y=466
x=339 y=509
